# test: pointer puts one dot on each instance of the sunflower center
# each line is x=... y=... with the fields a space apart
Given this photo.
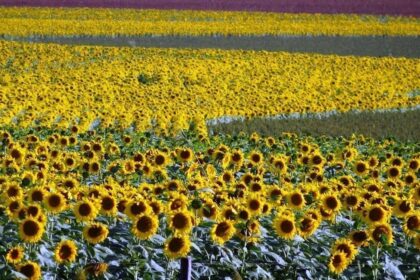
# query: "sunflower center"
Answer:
x=28 y=270
x=185 y=154
x=176 y=244
x=222 y=229
x=413 y=223
x=378 y=232
x=337 y=260
x=85 y=209
x=296 y=199
x=30 y=228
x=306 y=224
x=108 y=203
x=361 y=168
x=37 y=196
x=144 y=224
x=405 y=207
x=254 y=204
x=95 y=231
x=160 y=160
x=65 y=252
x=345 y=248
x=351 y=200
x=180 y=221
x=54 y=201
x=14 y=254
x=332 y=202
x=137 y=208
x=360 y=236
x=376 y=214
x=287 y=226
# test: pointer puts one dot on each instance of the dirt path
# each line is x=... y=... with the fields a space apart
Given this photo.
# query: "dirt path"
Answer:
x=359 y=46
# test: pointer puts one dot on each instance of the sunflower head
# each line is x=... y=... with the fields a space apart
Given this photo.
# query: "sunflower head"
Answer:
x=30 y=269
x=338 y=262
x=66 y=251
x=145 y=226
x=222 y=232
x=31 y=230
x=177 y=247
x=15 y=255
x=284 y=226
x=95 y=233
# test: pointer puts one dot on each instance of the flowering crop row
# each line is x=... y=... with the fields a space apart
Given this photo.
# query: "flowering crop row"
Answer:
x=168 y=89
x=85 y=203
x=108 y=22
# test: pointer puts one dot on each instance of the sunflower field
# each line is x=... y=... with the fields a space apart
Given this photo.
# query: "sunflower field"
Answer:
x=109 y=167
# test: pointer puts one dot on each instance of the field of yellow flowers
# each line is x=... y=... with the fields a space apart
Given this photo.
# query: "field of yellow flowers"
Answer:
x=108 y=169
x=93 y=22
x=126 y=204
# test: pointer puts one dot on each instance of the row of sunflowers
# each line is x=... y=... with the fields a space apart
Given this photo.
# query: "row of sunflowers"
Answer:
x=122 y=204
x=111 y=22
x=57 y=85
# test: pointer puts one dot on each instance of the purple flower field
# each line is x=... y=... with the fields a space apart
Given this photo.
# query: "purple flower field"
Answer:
x=377 y=7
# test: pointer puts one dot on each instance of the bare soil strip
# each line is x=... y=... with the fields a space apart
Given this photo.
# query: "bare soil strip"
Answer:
x=401 y=125
x=358 y=46
x=377 y=7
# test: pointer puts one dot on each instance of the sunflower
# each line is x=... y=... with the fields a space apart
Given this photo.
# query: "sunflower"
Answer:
x=108 y=205
x=402 y=207
x=331 y=202
x=411 y=224
x=346 y=246
x=414 y=165
x=359 y=237
x=181 y=222
x=393 y=172
x=93 y=269
x=36 y=195
x=338 y=262
x=376 y=214
x=85 y=211
x=95 y=233
x=15 y=255
x=55 y=202
x=296 y=200
x=255 y=204
x=284 y=226
x=209 y=210
x=382 y=232
x=134 y=209
x=185 y=154
x=177 y=247
x=251 y=232
x=30 y=230
x=30 y=269
x=160 y=160
x=13 y=207
x=361 y=168
x=256 y=158
x=65 y=252
x=145 y=226
x=13 y=191
x=222 y=232
x=317 y=159
x=237 y=158
x=351 y=201
x=34 y=210
x=307 y=226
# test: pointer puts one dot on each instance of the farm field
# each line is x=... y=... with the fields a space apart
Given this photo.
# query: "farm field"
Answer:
x=226 y=139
